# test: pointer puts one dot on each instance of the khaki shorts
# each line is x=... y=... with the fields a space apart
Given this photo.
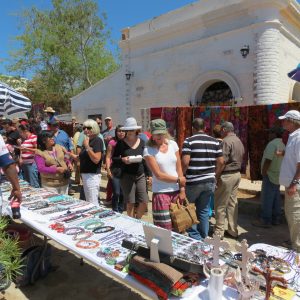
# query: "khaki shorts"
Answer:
x=134 y=188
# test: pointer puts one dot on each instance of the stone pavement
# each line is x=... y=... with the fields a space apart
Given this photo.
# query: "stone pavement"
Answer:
x=73 y=281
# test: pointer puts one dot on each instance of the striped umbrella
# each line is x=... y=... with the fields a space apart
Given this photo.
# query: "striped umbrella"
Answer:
x=11 y=101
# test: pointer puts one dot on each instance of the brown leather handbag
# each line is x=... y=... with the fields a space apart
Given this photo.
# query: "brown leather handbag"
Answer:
x=183 y=215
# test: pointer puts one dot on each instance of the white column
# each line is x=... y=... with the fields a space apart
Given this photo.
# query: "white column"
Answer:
x=267 y=71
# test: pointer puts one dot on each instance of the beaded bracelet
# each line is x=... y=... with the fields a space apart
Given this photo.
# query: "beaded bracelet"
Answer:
x=103 y=229
x=87 y=244
x=82 y=236
x=93 y=225
x=38 y=205
x=73 y=230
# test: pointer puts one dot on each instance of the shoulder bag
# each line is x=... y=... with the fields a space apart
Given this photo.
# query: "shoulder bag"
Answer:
x=183 y=215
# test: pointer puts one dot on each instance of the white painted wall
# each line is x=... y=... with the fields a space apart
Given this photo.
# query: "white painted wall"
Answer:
x=172 y=53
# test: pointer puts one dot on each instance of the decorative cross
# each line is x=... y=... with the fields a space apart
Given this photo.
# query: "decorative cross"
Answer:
x=246 y=291
x=246 y=255
x=267 y=273
x=216 y=242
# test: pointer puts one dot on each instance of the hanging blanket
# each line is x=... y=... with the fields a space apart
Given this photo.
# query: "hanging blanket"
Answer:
x=239 y=119
x=257 y=138
x=155 y=113
x=204 y=112
x=169 y=114
x=184 y=124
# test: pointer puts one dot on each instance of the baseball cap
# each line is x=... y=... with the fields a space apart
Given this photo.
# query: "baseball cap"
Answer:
x=291 y=114
x=107 y=118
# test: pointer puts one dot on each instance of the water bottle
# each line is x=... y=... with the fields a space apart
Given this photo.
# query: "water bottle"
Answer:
x=15 y=208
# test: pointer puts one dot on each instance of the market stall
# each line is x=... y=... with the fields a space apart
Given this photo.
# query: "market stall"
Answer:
x=97 y=234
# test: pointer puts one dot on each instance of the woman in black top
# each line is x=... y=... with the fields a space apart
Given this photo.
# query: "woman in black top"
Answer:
x=129 y=152
x=91 y=160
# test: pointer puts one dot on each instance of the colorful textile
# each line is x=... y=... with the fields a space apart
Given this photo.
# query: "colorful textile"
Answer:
x=219 y=114
x=204 y=112
x=161 y=209
x=169 y=115
x=239 y=119
x=155 y=113
x=257 y=138
x=274 y=111
x=158 y=276
x=184 y=124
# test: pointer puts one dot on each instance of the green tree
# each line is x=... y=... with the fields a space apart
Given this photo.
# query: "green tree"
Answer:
x=64 y=48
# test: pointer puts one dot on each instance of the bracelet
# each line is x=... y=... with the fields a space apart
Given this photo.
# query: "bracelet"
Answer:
x=73 y=230
x=82 y=236
x=87 y=244
x=103 y=229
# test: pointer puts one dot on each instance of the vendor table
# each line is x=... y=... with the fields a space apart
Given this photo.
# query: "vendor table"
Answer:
x=42 y=221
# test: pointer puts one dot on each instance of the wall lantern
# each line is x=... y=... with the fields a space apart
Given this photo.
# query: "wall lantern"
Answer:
x=128 y=75
x=245 y=51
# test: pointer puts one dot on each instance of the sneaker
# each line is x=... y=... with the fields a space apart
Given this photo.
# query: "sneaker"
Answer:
x=261 y=223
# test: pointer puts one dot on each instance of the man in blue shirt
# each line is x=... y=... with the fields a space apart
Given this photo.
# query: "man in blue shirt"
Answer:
x=60 y=136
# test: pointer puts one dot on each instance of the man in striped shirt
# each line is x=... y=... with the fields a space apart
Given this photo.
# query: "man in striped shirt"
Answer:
x=201 y=158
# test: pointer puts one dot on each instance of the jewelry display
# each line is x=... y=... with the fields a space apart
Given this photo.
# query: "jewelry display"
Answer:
x=73 y=230
x=103 y=229
x=58 y=227
x=87 y=244
x=82 y=236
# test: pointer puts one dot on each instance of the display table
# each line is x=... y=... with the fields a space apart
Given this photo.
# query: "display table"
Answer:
x=93 y=248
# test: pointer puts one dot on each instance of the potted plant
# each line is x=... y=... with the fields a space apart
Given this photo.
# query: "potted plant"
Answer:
x=10 y=256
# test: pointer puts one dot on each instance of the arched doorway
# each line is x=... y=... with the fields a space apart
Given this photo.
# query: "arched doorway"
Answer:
x=296 y=92
x=214 y=88
x=218 y=93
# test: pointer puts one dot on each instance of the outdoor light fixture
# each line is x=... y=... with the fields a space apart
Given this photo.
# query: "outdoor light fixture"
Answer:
x=128 y=75
x=245 y=51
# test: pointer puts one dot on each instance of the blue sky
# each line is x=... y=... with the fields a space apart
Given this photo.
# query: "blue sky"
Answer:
x=120 y=14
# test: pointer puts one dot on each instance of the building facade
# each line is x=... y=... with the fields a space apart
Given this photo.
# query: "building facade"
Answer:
x=235 y=52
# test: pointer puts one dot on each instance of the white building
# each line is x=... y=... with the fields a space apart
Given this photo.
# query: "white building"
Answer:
x=192 y=55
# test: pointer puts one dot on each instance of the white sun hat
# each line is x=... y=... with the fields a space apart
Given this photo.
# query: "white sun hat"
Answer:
x=130 y=124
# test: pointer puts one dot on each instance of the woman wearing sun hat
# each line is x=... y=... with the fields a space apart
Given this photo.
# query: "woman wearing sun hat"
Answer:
x=128 y=152
x=163 y=159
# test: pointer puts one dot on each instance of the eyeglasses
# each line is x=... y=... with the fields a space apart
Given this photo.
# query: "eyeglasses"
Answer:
x=87 y=127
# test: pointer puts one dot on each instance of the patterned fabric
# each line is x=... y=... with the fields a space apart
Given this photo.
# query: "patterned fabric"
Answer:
x=169 y=115
x=257 y=138
x=219 y=114
x=203 y=112
x=184 y=124
x=274 y=111
x=239 y=119
x=155 y=113
x=145 y=118
x=161 y=209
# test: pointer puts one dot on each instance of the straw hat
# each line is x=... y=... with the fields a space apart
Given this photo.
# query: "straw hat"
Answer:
x=49 y=109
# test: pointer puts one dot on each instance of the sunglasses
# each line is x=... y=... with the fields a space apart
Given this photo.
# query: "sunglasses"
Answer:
x=120 y=131
x=87 y=127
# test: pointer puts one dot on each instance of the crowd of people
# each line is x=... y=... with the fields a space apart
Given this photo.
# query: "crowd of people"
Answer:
x=207 y=171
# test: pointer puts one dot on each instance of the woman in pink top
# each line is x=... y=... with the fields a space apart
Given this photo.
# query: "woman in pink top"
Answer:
x=117 y=198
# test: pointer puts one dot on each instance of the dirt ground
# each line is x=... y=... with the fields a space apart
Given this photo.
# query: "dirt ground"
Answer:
x=75 y=281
